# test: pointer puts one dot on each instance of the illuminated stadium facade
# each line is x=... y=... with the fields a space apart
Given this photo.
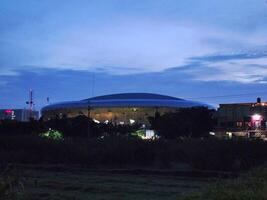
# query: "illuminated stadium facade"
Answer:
x=126 y=108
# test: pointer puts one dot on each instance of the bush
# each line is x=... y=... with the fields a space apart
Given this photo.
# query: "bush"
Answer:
x=118 y=151
x=250 y=186
x=187 y=122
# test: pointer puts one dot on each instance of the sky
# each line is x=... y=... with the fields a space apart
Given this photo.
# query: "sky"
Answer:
x=209 y=51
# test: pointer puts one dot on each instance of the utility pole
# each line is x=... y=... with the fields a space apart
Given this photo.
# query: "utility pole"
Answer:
x=89 y=120
x=93 y=83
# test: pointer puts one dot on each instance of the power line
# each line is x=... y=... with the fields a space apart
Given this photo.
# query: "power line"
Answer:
x=225 y=96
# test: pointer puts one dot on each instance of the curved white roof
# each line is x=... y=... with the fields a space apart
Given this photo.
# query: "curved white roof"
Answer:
x=127 y=100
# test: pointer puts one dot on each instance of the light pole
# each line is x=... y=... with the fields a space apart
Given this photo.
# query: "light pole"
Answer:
x=89 y=120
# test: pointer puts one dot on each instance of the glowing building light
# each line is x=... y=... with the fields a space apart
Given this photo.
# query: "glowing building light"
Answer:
x=132 y=121
x=96 y=121
x=8 y=111
x=150 y=134
x=212 y=133
x=230 y=134
x=256 y=117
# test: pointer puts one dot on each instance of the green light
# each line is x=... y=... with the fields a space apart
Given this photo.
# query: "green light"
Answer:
x=139 y=133
x=52 y=134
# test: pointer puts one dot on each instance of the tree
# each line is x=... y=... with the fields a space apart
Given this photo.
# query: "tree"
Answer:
x=187 y=122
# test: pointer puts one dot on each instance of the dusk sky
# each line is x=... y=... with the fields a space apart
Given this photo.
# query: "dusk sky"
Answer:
x=69 y=50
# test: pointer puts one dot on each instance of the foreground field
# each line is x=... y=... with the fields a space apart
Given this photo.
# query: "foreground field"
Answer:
x=187 y=168
x=75 y=185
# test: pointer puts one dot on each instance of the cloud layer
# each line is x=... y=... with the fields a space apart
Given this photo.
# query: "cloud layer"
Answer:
x=127 y=37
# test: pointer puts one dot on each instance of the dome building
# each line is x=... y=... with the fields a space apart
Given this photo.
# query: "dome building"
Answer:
x=125 y=108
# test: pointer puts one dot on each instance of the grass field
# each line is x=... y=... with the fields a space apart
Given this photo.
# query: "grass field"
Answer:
x=75 y=185
x=57 y=183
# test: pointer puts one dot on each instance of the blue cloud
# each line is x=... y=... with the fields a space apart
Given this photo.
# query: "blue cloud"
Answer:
x=184 y=48
x=229 y=57
x=64 y=85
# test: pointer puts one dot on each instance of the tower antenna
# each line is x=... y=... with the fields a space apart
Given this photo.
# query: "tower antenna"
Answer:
x=30 y=102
